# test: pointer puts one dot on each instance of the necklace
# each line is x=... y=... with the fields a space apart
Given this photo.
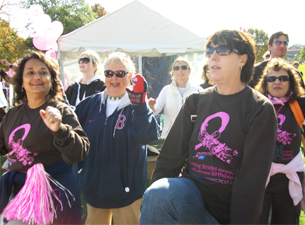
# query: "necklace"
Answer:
x=278 y=111
x=114 y=98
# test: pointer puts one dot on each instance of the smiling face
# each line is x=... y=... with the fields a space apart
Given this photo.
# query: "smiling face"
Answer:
x=116 y=86
x=36 y=79
x=278 y=88
x=181 y=75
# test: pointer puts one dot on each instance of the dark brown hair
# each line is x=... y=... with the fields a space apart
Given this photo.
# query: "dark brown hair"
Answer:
x=204 y=74
x=54 y=94
x=241 y=41
x=277 y=35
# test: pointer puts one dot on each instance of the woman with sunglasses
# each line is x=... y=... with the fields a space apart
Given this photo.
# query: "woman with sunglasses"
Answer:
x=222 y=142
x=89 y=82
x=173 y=95
x=206 y=77
x=281 y=84
x=119 y=124
x=41 y=133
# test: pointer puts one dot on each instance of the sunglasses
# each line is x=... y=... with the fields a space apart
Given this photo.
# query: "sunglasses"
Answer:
x=119 y=73
x=221 y=50
x=176 y=68
x=280 y=78
x=277 y=42
x=85 y=60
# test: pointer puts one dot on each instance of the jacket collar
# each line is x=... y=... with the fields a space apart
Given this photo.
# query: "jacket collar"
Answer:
x=96 y=77
x=187 y=86
x=123 y=103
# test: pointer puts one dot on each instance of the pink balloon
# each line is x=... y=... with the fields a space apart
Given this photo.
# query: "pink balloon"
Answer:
x=54 y=47
x=32 y=30
x=41 y=23
x=41 y=43
x=57 y=27
x=50 y=36
x=51 y=54
x=36 y=10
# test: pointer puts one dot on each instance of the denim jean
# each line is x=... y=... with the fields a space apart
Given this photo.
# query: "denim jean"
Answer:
x=174 y=201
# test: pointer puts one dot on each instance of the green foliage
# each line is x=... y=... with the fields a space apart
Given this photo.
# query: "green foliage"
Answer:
x=261 y=39
x=99 y=10
x=72 y=13
x=12 y=47
x=302 y=54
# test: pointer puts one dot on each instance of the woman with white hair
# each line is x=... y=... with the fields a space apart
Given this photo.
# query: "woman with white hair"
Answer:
x=119 y=124
x=173 y=95
x=89 y=82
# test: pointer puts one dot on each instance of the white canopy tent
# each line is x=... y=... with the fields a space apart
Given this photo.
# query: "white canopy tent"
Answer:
x=134 y=29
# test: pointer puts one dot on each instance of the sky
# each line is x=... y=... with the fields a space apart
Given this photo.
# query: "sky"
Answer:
x=204 y=17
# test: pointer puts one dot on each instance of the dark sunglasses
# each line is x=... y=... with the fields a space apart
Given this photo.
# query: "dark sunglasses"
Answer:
x=84 y=60
x=176 y=68
x=277 y=42
x=280 y=78
x=221 y=50
x=119 y=73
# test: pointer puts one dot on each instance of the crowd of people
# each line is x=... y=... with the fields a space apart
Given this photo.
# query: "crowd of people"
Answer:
x=230 y=146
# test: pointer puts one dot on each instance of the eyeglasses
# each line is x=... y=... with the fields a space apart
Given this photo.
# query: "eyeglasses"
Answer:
x=280 y=78
x=221 y=50
x=85 y=60
x=277 y=42
x=119 y=73
x=176 y=68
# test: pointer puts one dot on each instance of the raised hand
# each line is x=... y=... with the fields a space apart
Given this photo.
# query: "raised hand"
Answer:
x=51 y=117
x=5 y=62
x=138 y=89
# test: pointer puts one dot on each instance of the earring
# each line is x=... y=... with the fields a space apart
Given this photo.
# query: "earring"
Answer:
x=241 y=68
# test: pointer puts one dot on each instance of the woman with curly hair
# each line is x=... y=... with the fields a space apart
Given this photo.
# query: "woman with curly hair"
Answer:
x=41 y=133
x=281 y=84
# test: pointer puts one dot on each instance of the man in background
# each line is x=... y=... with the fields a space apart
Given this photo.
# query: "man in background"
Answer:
x=278 y=43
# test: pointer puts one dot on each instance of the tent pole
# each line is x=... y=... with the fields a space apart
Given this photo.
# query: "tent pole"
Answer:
x=140 y=64
x=61 y=68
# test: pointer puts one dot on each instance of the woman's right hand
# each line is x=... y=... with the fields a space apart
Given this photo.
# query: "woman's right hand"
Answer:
x=151 y=102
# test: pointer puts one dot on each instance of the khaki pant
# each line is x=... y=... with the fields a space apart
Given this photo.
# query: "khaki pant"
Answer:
x=127 y=215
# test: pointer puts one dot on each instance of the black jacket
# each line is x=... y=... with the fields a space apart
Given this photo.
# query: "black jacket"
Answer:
x=94 y=87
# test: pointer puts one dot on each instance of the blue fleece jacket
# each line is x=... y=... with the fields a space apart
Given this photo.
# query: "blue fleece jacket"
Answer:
x=114 y=173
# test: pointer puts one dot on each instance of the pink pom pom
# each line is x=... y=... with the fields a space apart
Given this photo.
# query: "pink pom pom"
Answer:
x=33 y=204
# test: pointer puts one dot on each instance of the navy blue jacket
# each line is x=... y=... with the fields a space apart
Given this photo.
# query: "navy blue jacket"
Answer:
x=115 y=171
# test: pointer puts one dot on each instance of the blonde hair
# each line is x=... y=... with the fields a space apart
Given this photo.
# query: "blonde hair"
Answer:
x=94 y=60
x=180 y=59
x=120 y=57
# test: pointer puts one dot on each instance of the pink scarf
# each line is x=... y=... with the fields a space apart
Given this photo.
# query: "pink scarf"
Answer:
x=276 y=100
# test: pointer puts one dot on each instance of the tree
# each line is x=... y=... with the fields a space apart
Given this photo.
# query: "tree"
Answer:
x=99 y=10
x=12 y=47
x=302 y=54
x=4 y=7
x=261 y=39
x=72 y=13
